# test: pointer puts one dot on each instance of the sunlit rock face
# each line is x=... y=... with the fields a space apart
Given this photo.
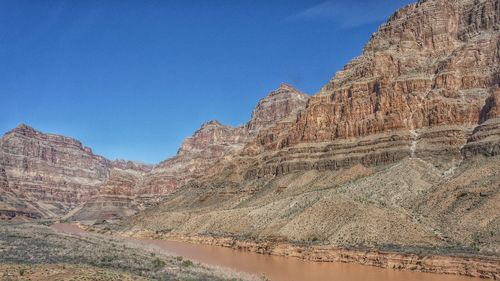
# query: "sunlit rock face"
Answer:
x=424 y=81
x=214 y=141
x=400 y=148
x=425 y=88
x=53 y=172
x=279 y=105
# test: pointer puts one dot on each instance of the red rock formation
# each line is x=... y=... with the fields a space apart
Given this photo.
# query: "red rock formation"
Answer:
x=434 y=63
x=279 y=105
x=214 y=141
x=50 y=169
x=425 y=80
x=119 y=196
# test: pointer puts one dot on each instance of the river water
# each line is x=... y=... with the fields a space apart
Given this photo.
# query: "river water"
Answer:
x=278 y=268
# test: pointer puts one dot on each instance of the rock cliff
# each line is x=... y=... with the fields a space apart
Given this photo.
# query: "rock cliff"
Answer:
x=214 y=141
x=399 y=151
x=48 y=175
x=53 y=172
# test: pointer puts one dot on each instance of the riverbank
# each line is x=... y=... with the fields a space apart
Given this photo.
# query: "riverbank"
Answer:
x=28 y=249
x=465 y=265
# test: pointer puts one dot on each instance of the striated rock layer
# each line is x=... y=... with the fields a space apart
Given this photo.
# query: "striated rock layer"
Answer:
x=50 y=172
x=214 y=141
x=48 y=175
x=119 y=196
x=399 y=151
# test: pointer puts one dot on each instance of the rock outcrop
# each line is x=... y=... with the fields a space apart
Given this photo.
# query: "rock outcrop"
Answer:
x=214 y=141
x=53 y=172
x=428 y=77
x=119 y=196
x=433 y=63
x=282 y=104
x=399 y=151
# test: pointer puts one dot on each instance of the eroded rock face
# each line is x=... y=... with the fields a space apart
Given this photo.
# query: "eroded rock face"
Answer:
x=425 y=80
x=4 y=183
x=434 y=63
x=425 y=87
x=401 y=148
x=51 y=169
x=214 y=141
x=119 y=196
x=281 y=104
x=50 y=174
x=209 y=144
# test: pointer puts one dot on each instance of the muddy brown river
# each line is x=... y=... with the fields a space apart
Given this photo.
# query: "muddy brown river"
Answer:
x=278 y=268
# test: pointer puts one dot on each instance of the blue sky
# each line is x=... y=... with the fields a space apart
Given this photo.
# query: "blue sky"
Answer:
x=132 y=79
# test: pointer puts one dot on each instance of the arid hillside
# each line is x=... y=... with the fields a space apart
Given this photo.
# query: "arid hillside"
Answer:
x=399 y=151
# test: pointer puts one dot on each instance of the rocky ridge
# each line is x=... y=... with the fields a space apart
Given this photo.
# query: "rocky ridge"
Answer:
x=48 y=175
x=398 y=151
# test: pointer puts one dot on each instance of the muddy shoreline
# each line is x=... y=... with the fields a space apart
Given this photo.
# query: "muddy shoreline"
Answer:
x=481 y=267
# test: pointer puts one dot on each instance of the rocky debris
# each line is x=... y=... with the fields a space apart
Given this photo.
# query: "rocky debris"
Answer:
x=485 y=140
x=4 y=183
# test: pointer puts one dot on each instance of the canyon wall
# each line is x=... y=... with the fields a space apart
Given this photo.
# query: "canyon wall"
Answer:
x=399 y=151
x=48 y=175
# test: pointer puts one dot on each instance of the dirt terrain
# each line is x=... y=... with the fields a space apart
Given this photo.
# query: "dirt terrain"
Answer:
x=31 y=251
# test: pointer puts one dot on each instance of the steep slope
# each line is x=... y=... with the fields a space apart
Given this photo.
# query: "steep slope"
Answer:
x=398 y=152
x=282 y=104
x=50 y=173
x=214 y=141
x=432 y=65
x=119 y=196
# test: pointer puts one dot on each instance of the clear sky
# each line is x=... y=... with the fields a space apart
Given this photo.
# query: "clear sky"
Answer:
x=132 y=78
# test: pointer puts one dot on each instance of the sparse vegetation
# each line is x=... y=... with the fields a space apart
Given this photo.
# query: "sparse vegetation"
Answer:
x=187 y=263
x=158 y=263
x=25 y=246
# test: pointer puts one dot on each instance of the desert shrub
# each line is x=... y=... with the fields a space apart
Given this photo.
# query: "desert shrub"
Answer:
x=187 y=263
x=158 y=263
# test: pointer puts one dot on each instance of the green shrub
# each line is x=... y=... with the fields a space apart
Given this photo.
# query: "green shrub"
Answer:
x=187 y=263
x=158 y=264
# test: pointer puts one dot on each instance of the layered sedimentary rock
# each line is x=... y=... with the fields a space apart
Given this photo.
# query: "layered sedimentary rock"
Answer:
x=398 y=151
x=214 y=141
x=430 y=73
x=434 y=63
x=48 y=175
x=282 y=104
x=119 y=196
x=53 y=172
x=485 y=139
